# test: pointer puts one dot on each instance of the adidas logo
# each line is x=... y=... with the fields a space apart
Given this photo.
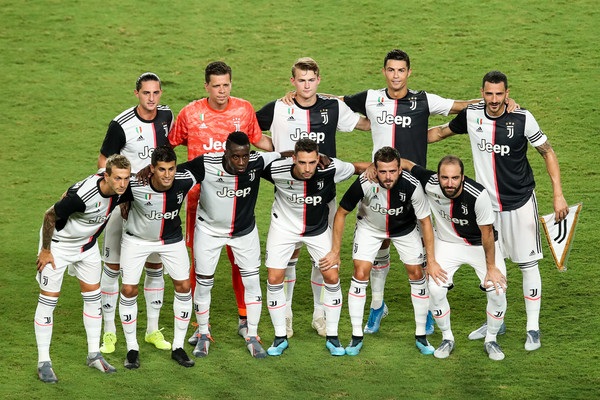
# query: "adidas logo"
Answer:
x=140 y=139
x=291 y=118
x=220 y=180
x=107 y=306
x=157 y=302
x=532 y=253
x=203 y=126
x=479 y=129
x=148 y=204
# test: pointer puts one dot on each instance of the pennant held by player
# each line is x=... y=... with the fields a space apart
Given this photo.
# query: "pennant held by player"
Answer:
x=560 y=235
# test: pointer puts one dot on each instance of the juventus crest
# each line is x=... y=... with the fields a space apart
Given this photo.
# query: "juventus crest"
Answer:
x=413 y=103
x=320 y=184
x=325 y=116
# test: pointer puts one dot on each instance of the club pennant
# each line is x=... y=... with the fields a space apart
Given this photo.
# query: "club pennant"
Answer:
x=560 y=235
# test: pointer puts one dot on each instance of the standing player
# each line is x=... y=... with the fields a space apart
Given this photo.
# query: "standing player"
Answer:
x=499 y=145
x=229 y=184
x=465 y=234
x=388 y=209
x=318 y=118
x=134 y=133
x=203 y=126
x=300 y=215
x=68 y=237
x=154 y=227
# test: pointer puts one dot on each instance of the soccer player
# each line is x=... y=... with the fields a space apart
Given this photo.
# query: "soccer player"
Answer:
x=465 y=234
x=153 y=226
x=68 y=237
x=317 y=118
x=300 y=215
x=134 y=133
x=229 y=184
x=499 y=146
x=389 y=208
x=203 y=126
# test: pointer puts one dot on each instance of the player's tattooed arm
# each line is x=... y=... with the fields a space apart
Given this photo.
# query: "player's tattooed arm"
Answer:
x=45 y=256
x=561 y=209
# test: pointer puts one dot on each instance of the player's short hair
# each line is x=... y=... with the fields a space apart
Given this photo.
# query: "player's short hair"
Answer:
x=386 y=154
x=147 y=76
x=305 y=64
x=451 y=159
x=495 y=77
x=237 y=137
x=397 y=54
x=306 y=145
x=164 y=153
x=117 y=161
x=216 y=68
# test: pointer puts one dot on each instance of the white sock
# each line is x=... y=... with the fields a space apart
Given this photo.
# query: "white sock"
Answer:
x=92 y=319
x=532 y=292
x=128 y=310
x=182 y=310
x=154 y=291
x=202 y=299
x=43 y=323
x=440 y=308
x=288 y=285
x=253 y=299
x=357 y=297
x=496 y=308
x=109 y=286
x=379 y=273
x=316 y=283
x=276 y=306
x=332 y=300
x=419 y=295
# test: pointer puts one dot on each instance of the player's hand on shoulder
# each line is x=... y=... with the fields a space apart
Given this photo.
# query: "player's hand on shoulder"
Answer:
x=288 y=99
x=44 y=258
x=144 y=175
x=324 y=161
x=511 y=105
x=371 y=173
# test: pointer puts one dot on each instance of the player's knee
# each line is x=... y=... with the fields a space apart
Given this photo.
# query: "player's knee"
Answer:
x=129 y=290
x=415 y=272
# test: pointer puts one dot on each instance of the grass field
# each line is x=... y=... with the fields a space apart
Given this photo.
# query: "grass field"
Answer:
x=69 y=67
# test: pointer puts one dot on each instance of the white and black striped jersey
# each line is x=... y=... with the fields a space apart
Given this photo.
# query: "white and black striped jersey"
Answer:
x=393 y=211
x=318 y=122
x=300 y=206
x=226 y=205
x=499 y=147
x=136 y=138
x=82 y=214
x=400 y=123
x=154 y=215
x=457 y=220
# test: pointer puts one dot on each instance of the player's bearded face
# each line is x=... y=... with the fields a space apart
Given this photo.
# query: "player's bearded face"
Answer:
x=118 y=180
x=388 y=173
x=163 y=174
x=149 y=95
x=305 y=164
x=494 y=95
x=451 y=180
x=236 y=159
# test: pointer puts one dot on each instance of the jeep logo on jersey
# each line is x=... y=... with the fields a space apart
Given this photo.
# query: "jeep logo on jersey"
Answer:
x=214 y=145
x=99 y=219
x=455 y=221
x=308 y=200
x=298 y=134
x=391 y=211
x=501 y=149
x=158 y=215
x=146 y=153
x=225 y=192
x=390 y=119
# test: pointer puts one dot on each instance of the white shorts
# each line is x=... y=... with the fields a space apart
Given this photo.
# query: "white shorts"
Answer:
x=174 y=258
x=451 y=256
x=519 y=232
x=86 y=266
x=113 y=234
x=207 y=250
x=281 y=244
x=332 y=205
x=368 y=241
